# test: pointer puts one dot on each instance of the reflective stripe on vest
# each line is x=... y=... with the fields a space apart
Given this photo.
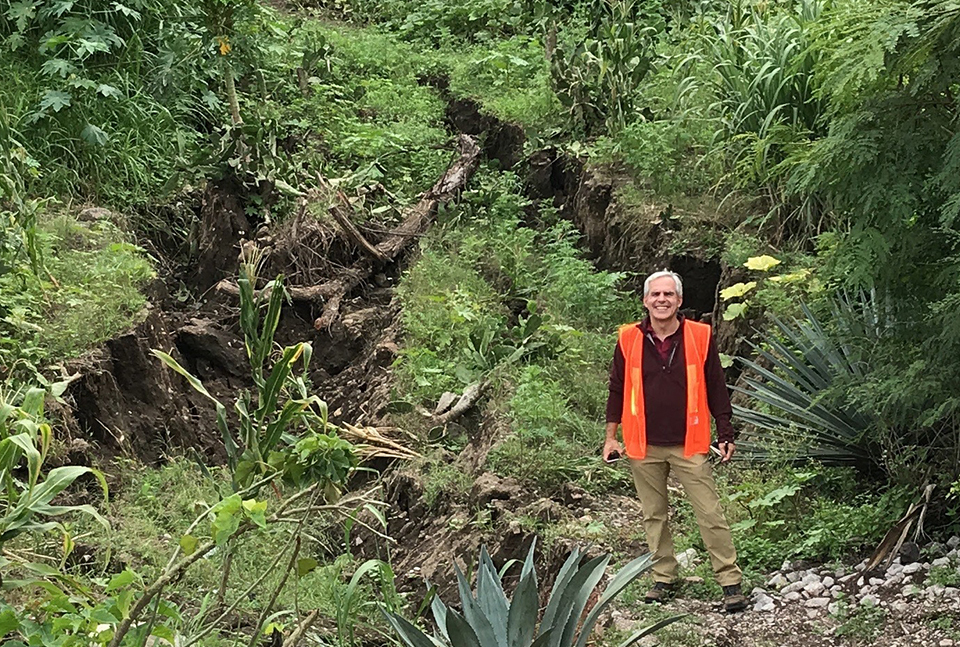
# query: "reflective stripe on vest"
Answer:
x=696 y=345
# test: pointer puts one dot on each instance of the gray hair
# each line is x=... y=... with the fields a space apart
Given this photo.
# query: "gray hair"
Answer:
x=659 y=275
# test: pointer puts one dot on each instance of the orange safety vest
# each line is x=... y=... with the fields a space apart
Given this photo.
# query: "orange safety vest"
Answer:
x=696 y=344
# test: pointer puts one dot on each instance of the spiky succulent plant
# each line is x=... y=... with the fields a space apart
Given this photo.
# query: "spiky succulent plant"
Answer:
x=489 y=619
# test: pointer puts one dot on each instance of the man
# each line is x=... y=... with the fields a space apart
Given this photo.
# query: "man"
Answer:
x=665 y=381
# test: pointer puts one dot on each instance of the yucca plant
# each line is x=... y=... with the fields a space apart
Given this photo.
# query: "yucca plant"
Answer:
x=489 y=619
x=795 y=367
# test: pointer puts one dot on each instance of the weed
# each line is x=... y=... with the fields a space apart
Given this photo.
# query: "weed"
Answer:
x=947 y=575
x=444 y=481
x=864 y=621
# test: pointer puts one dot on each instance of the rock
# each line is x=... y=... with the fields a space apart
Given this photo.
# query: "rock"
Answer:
x=940 y=562
x=778 y=581
x=445 y=402
x=816 y=603
x=791 y=588
x=828 y=582
x=866 y=590
x=894 y=580
x=764 y=602
x=687 y=558
x=946 y=642
x=833 y=608
x=814 y=588
x=870 y=600
x=895 y=569
x=792 y=596
x=900 y=606
x=93 y=214
x=911 y=568
x=935 y=591
x=951 y=592
x=875 y=581
x=793 y=577
x=488 y=487
x=909 y=553
x=953 y=543
x=843 y=579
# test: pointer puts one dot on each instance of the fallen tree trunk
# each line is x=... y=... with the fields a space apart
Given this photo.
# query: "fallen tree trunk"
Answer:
x=418 y=219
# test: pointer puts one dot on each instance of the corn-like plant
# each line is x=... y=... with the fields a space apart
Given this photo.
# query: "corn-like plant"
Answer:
x=489 y=619
x=597 y=79
x=264 y=442
x=25 y=436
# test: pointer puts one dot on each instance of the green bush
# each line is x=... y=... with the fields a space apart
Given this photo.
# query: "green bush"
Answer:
x=813 y=513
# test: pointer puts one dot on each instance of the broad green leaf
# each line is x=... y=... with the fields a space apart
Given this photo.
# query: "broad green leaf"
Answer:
x=462 y=634
x=306 y=565
x=256 y=511
x=410 y=634
x=733 y=311
x=227 y=518
x=521 y=623
x=94 y=135
x=124 y=578
x=8 y=621
x=188 y=544
x=105 y=90
x=58 y=67
x=761 y=263
x=22 y=13
x=737 y=290
x=55 y=100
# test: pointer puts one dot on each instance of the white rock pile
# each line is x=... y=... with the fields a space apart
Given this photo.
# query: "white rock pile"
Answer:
x=822 y=589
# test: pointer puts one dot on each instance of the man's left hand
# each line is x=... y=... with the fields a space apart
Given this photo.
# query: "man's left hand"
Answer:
x=726 y=451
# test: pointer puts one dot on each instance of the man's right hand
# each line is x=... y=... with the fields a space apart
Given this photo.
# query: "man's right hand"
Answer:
x=611 y=447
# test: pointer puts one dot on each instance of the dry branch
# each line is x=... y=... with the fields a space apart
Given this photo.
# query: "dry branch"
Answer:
x=471 y=395
x=372 y=443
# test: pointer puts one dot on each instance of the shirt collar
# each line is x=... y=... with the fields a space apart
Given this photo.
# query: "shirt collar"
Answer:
x=648 y=329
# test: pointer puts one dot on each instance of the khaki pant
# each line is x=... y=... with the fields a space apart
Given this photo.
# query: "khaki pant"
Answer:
x=696 y=476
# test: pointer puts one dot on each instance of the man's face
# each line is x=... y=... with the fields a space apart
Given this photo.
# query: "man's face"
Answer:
x=662 y=301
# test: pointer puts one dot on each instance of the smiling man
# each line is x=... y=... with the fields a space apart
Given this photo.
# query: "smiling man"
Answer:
x=665 y=383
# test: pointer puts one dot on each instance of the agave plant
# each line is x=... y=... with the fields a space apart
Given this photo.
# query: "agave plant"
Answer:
x=489 y=619
x=795 y=366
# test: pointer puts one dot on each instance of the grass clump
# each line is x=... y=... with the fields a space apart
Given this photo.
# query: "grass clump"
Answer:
x=90 y=291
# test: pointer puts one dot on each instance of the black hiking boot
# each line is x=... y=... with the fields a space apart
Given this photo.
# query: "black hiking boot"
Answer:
x=733 y=599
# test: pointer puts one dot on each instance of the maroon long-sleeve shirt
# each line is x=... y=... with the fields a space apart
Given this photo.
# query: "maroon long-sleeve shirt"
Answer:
x=665 y=388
